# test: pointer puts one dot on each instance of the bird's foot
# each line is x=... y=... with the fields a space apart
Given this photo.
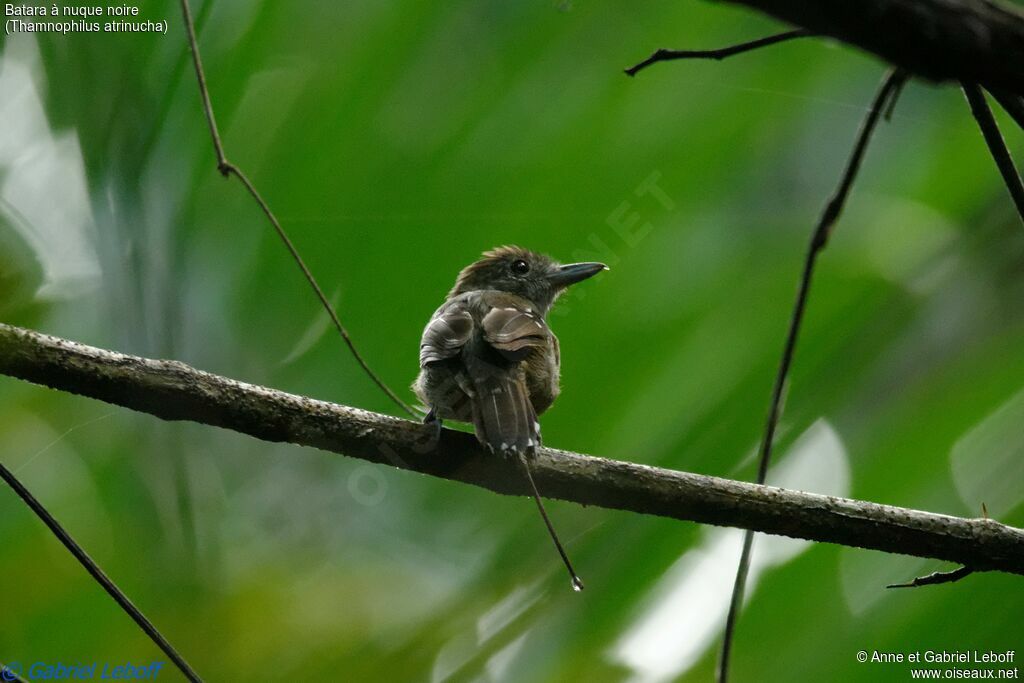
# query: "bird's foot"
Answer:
x=434 y=424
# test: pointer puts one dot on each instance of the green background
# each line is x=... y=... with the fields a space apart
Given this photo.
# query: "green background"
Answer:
x=396 y=141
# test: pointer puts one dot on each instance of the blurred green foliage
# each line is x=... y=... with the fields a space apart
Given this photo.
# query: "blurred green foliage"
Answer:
x=398 y=140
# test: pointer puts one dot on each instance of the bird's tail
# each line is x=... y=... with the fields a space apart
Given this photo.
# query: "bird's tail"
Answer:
x=506 y=423
x=503 y=415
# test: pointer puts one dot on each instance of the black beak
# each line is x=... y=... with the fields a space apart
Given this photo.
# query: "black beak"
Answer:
x=570 y=274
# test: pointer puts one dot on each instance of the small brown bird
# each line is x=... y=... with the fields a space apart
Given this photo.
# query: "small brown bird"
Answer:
x=488 y=356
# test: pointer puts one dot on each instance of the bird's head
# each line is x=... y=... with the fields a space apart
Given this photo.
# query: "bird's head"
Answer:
x=515 y=270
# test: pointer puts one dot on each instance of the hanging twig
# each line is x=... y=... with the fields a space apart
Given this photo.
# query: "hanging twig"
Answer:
x=664 y=55
x=9 y=675
x=228 y=169
x=1013 y=104
x=936 y=578
x=101 y=578
x=996 y=144
x=894 y=97
x=883 y=101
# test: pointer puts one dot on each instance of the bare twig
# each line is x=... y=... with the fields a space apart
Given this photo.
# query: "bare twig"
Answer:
x=9 y=675
x=228 y=169
x=894 y=97
x=174 y=391
x=935 y=578
x=101 y=578
x=1013 y=104
x=996 y=144
x=889 y=89
x=664 y=55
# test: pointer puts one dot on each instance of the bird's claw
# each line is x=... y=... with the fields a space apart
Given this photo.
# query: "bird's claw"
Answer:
x=434 y=425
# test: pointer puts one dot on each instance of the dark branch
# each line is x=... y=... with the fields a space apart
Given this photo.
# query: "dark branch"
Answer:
x=228 y=169
x=978 y=41
x=996 y=144
x=936 y=578
x=101 y=578
x=664 y=55
x=174 y=391
x=883 y=102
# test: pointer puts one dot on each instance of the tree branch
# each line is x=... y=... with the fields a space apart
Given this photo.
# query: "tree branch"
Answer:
x=978 y=41
x=174 y=391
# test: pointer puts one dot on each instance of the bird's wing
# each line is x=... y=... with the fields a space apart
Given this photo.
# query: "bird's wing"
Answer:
x=503 y=414
x=445 y=335
x=515 y=330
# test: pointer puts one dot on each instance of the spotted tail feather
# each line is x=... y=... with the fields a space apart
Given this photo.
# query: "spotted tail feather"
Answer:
x=503 y=415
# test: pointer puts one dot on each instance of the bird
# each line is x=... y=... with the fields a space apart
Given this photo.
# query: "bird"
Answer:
x=488 y=356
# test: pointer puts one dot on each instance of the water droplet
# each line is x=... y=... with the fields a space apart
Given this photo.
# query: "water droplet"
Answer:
x=577 y=584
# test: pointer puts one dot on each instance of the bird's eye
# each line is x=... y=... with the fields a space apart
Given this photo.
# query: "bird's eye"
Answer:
x=520 y=267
